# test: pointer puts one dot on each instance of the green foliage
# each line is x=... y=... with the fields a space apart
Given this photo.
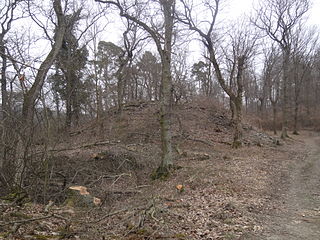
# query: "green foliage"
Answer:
x=59 y=88
x=108 y=59
x=200 y=70
x=149 y=69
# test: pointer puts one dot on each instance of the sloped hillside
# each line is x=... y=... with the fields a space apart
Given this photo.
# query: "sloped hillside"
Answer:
x=214 y=192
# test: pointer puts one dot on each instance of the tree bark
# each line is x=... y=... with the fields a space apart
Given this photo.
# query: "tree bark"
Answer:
x=285 y=97
x=165 y=51
x=238 y=131
x=4 y=93
x=166 y=90
x=75 y=99
x=274 y=122
x=121 y=83
x=68 y=100
x=32 y=94
x=8 y=138
x=165 y=117
x=4 y=107
x=232 y=110
x=295 y=124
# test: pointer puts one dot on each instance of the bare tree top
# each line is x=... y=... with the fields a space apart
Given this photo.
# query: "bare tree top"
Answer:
x=279 y=18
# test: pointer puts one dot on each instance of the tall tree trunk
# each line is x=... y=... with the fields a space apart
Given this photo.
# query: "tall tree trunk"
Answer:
x=121 y=84
x=32 y=94
x=120 y=94
x=166 y=87
x=4 y=97
x=68 y=100
x=296 y=111
x=4 y=93
x=165 y=51
x=233 y=110
x=57 y=103
x=263 y=107
x=308 y=101
x=165 y=115
x=238 y=132
x=72 y=100
x=6 y=134
x=99 y=109
x=285 y=97
x=75 y=114
x=274 y=122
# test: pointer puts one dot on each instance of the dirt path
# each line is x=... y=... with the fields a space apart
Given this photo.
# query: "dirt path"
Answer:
x=299 y=217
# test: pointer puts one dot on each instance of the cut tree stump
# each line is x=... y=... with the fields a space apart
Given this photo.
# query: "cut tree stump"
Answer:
x=78 y=196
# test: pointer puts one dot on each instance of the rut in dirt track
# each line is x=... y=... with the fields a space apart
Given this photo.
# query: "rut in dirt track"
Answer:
x=300 y=218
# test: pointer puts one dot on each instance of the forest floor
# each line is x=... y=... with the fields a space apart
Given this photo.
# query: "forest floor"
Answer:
x=299 y=214
x=265 y=190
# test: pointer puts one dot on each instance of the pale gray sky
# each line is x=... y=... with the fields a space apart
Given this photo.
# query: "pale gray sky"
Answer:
x=232 y=10
x=238 y=7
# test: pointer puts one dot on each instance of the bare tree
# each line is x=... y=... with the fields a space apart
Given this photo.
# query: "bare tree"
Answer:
x=131 y=41
x=180 y=77
x=71 y=60
x=32 y=94
x=7 y=16
x=271 y=81
x=304 y=44
x=6 y=19
x=163 y=40
x=94 y=36
x=311 y=90
x=279 y=20
x=242 y=45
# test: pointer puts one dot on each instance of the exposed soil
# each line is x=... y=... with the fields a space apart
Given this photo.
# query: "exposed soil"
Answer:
x=298 y=214
x=262 y=191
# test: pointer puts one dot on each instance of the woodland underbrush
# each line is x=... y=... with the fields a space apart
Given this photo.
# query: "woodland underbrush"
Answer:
x=114 y=160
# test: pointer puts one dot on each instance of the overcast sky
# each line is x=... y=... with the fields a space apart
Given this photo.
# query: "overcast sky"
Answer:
x=238 y=7
x=232 y=10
